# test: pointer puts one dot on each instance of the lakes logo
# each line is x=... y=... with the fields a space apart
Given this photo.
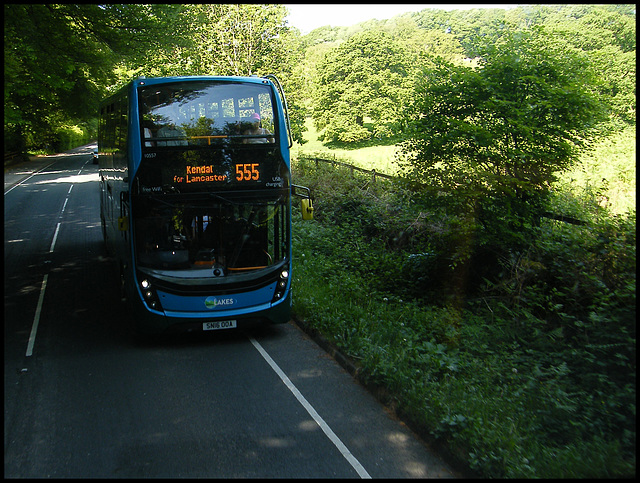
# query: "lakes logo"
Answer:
x=214 y=302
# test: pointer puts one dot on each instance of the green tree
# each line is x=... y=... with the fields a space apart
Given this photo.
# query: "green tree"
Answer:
x=609 y=37
x=364 y=77
x=498 y=134
x=235 y=39
x=59 y=57
x=241 y=39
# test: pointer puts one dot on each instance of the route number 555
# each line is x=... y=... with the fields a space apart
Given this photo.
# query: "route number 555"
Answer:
x=247 y=172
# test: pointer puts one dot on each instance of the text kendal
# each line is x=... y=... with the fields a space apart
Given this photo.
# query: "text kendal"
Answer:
x=200 y=174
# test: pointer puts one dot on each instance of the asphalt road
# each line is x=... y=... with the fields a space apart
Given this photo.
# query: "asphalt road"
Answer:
x=83 y=399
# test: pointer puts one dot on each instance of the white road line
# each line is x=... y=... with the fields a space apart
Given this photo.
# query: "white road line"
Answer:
x=312 y=412
x=28 y=178
x=36 y=318
x=55 y=237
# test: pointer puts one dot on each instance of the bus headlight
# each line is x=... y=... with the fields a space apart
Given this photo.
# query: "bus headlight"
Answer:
x=281 y=286
x=149 y=294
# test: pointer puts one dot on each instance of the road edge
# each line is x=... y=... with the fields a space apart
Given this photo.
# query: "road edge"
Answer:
x=384 y=397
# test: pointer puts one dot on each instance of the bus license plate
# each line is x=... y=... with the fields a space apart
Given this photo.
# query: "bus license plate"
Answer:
x=219 y=324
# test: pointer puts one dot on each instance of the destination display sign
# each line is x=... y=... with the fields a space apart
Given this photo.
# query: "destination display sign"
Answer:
x=207 y=174
x=189 y=172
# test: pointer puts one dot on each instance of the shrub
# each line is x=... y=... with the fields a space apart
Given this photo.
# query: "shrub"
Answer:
x=70 y=136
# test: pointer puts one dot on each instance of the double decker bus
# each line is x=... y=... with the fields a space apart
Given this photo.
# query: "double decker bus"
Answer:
x=195 y=200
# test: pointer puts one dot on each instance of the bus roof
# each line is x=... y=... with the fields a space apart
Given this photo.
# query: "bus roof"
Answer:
x=165 y=80
x=142 y=80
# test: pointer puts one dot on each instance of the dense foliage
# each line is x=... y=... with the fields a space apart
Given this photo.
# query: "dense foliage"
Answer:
x=59 y=59
x=507 y=125
x=493 y=137
x=600 y=38
x=365 y=77
x=522 y=367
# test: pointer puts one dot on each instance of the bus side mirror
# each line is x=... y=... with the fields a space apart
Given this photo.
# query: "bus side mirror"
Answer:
x=306 y=205
x=307 y=208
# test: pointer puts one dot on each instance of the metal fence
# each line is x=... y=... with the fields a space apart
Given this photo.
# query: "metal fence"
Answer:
x=374 y=174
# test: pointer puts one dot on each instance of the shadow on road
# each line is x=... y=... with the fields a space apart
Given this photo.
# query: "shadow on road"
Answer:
x=88 y=314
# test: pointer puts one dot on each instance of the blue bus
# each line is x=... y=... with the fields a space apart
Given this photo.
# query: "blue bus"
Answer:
x=195 y=200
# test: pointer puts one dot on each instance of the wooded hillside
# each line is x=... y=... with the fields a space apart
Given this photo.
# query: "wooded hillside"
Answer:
x=356 y=82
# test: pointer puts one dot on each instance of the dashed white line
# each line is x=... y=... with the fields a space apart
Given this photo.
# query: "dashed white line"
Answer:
x=64 y=207
x=55 y=237
x=36 y=317
x=312 y=412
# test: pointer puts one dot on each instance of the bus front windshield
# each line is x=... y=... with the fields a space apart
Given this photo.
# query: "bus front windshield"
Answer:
x=199 y=113
x=212 y=236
